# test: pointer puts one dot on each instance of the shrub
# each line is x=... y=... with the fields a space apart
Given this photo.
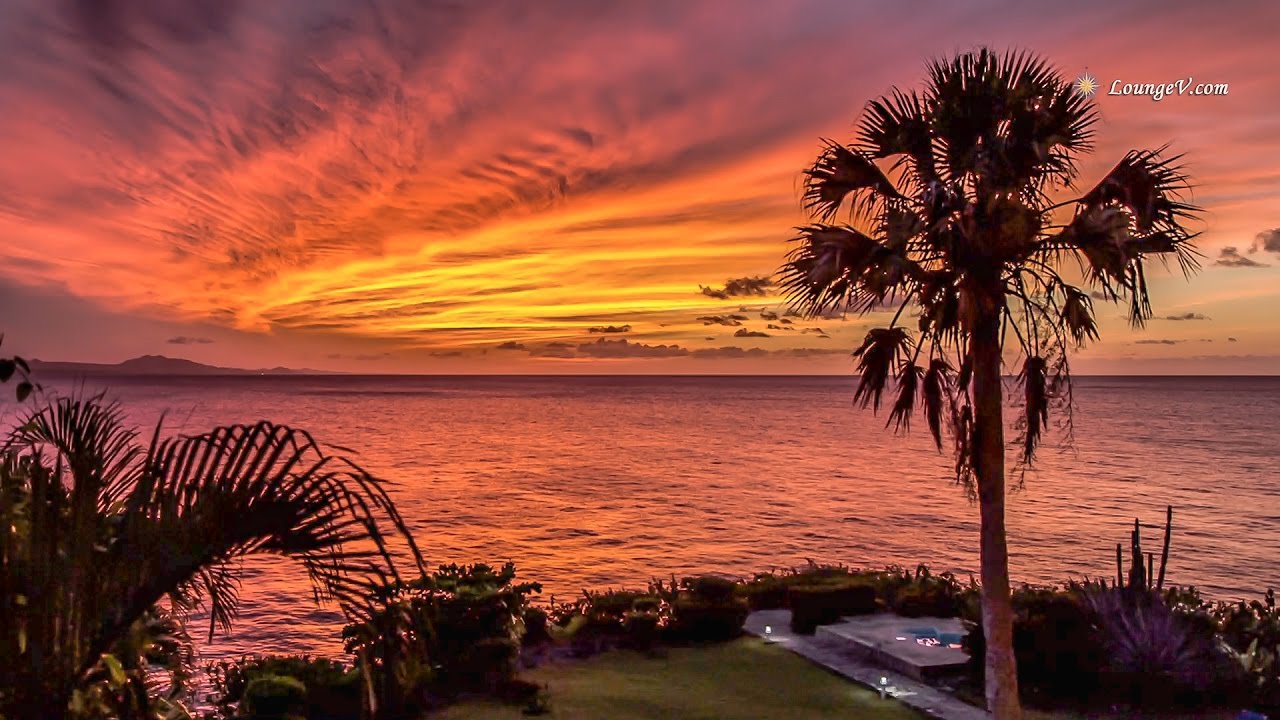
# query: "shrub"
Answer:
x=535 y=626
x=814 y=605
x=1252 y=632
x=765 y=592
x=332 y=688
x=455 y=631
x=1155 y=655
x=274 y=697
x=640 y=629
x=1059 y=652
x=710 y=588
x=924 y=594
x=698 y=620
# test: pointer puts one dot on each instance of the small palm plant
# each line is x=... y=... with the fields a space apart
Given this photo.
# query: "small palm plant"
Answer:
x=97 y=530
x=949 y=193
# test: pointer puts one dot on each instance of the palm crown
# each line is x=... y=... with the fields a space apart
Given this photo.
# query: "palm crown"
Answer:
x=948 y=193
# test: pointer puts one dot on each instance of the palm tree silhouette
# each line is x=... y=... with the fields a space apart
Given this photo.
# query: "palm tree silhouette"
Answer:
x=960 y=226
x=97 y=530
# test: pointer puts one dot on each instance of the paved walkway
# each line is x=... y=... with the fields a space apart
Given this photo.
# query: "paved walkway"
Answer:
x=834 y=655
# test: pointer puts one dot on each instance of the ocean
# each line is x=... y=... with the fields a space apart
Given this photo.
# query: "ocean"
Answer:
x=595 y=482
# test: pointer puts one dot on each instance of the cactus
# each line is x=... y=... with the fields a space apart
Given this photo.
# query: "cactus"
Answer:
x=1142 y=567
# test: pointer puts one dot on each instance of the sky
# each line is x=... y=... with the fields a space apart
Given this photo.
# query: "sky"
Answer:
x=390 y=186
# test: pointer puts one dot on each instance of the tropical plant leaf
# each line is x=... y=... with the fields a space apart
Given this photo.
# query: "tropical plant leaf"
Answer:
x=840 y=172
x=937 y=393
x=881 y=351
x=1035 y=384
x=909 y=380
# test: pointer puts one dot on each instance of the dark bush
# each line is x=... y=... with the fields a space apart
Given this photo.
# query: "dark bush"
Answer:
x=696 y=620
x=274 y=697
x=765 y=592
x=332 y=689
x=455 y=631
x=1252 y=631
x=923 y=594
x=640 y=629
x=710 y=588
x=1154 y=655
x=535 y=626
x=1057 y=646
x=814 y=605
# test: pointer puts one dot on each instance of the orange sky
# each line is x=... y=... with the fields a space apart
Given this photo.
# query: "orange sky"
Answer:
x=379 y=187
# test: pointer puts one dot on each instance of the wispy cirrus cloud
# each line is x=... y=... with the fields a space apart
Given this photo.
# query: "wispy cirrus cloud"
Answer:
x=448 y=177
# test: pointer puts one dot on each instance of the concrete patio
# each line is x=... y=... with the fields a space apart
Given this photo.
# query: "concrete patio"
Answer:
x=867 y=651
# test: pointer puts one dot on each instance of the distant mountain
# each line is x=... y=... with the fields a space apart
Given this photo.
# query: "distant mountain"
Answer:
x=156 y=365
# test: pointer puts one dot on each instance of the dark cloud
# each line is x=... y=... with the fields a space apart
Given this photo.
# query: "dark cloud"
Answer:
x=1268 y=240
x=731 y=353
x=745 y=333
x=768 y=315
x=188 y=340
x=1097 y=295
x=511 y=345
x=771 y=326
x=728 y=320
x=812 y=352
x=603 y=348
x=1231 y=339
x=1158 y=342
x=740 y=287
x=609 y=329
x=1187 y=316
x=554 y=350
x=1231 y=257
x=814 y=330
x=785 y=321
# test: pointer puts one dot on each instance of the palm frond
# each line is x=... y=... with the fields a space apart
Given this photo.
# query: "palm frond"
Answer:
x=937 y=393
x=1150 y=187
x=881 y=351
x=842 y=172
x=838 y=267
x=1035 y=385
x=1076 y=314
x=909 y=381
x=109 y=530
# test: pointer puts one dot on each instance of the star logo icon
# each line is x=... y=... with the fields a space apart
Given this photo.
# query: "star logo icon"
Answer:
x=1086 y=84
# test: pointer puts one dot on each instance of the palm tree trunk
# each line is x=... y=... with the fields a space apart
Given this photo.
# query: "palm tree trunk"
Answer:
x=988 y=460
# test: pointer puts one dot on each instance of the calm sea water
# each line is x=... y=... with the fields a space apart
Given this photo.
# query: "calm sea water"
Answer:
x=610 y=481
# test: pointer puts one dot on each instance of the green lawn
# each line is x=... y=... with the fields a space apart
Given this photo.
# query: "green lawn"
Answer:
x=742 y=680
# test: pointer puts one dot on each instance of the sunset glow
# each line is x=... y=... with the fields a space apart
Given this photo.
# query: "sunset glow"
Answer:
x=560 y=187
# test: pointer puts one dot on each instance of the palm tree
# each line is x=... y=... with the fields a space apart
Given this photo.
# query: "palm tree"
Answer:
x=950 y=213
x=97 y=530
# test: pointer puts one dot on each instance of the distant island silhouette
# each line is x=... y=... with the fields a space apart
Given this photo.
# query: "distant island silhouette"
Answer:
x=159 y=365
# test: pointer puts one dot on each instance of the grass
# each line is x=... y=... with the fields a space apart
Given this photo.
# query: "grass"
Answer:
x=741 y=680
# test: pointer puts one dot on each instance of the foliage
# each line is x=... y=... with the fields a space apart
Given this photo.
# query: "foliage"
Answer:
x=16 y=367
x=1152 y=653
x=963 y=230
x=826 y=603
x=1251 y=631
x=274 y=697
x=332 y=688
x=454 y=631
x=949 y=194
x=97 y=529
x=1057 y=644
x=909 y=593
